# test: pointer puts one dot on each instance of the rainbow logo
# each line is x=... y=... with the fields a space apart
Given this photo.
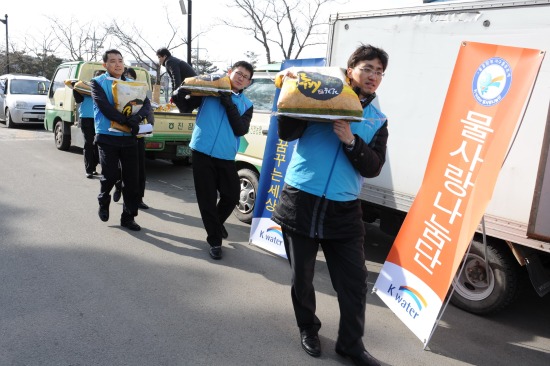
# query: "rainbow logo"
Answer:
x=415 y=295
x=275 y=230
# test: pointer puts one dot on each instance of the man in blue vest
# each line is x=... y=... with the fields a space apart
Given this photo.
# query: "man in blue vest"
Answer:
x=319 y=206
x=86 y=117
x=220 y=122
x=116 y=145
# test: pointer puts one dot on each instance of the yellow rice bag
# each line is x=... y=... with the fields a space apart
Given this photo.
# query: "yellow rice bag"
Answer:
x=207 y=85
x=129 y=96
x=318 y=93
x=83 y=87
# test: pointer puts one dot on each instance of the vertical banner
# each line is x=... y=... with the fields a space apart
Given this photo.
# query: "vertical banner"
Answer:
x=265 y=233
x=487 y=95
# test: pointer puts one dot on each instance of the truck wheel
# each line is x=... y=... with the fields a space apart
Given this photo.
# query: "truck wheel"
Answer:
x=247 y=198
x=9 y=120
x=484 y=290
x=62 y=142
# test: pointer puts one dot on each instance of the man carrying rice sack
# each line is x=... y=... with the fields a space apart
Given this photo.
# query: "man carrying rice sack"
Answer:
x=116 y=136
x=86 y=116
x=319 y=206
x=220 y=122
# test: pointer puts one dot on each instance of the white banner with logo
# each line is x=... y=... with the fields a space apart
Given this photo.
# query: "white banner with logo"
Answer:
x=265 y=233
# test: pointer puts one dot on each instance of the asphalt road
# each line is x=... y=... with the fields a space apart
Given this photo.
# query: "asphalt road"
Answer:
x=77 y=291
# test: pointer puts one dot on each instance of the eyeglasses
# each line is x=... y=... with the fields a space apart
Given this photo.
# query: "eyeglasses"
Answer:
x=370 y=71
x=240 y=74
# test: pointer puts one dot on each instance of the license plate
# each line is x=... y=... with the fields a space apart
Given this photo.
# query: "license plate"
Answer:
x=183 y=150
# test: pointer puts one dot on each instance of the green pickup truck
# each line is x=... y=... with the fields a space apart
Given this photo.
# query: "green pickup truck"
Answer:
x=171 y=131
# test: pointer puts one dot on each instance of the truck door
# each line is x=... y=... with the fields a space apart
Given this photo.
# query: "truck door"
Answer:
x=56 y=104
x=540 y=210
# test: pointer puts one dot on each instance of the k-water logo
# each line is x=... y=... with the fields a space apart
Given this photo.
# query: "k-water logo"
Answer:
x=492 y=81
x=272 y=234
x=409 y=299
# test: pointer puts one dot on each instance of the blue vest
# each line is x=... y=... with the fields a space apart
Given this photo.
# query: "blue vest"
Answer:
x=86 y=108
x=319 y=165
x=213 y=134
x=102 y=123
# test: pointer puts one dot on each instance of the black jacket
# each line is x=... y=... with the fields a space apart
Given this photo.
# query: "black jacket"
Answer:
x=178 y=70
x=319 y=217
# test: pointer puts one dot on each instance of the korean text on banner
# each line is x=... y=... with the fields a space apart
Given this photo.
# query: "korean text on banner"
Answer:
x=487 y=96
x=265 y=233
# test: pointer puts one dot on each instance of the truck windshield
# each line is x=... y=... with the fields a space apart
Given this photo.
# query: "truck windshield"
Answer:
x=261 y=92
x=30 y=87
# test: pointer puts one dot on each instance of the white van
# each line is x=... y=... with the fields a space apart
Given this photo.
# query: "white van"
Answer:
x=22 y=99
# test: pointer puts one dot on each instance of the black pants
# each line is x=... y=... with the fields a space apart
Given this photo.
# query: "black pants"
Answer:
x=141 y=170
x=109 y=157
x=141 y=166
x=346 y=264
x=91 y=153
x=211 y=176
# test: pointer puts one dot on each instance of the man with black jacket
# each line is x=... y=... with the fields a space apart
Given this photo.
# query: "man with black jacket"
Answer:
x=220 y=123
x=319 y=206
x=178 y=71
x=115 y=145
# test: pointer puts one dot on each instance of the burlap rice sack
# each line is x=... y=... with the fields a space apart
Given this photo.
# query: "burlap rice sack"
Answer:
x=207 y=85
x=318 y=93
x=128 y=97
x=83 y=87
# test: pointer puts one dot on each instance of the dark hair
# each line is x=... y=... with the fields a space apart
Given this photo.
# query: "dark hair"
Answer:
x=368 y=52
x=112 y=50
x=163 y=52
x=99 y=72
x=131 y=73
x=246 y=65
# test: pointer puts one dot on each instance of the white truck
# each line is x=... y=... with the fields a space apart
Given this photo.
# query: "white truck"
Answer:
x=423 y=43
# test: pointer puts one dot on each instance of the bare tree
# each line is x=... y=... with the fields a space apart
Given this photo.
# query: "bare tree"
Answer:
x=132 y=40
x=80 y=41
x=43 y=50
x=290 y=25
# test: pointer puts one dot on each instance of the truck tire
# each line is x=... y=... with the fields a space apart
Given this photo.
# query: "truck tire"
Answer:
x=485 y=290
x=62 y=142
x=247 y=198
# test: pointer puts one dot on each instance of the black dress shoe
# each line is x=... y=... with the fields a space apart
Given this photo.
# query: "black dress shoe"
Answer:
x=95 y=173
x=215 y=252
x=132 y=225
x=116 y=195
x=224 y=233
x=142 y=205
x=311 y=343
x=103 y=213
x=89 y=175
x=363 y=359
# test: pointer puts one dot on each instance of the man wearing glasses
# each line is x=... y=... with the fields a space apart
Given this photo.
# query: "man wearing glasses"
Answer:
x=319 y=206
x=220 y=122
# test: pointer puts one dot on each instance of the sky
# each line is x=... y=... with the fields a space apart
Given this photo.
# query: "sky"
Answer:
x=219 y=44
